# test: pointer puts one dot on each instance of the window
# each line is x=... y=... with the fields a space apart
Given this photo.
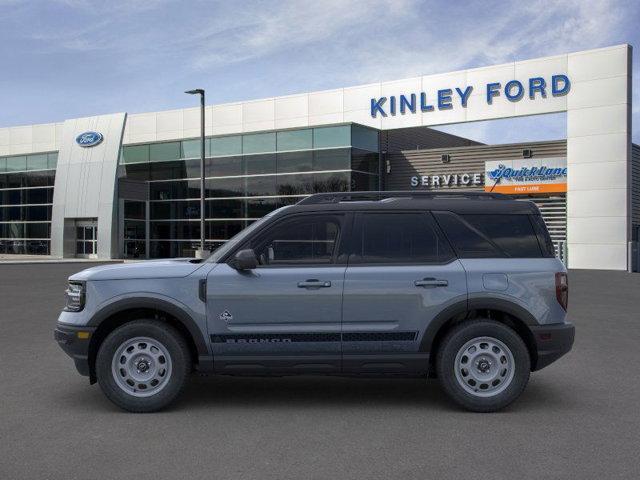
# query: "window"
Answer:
x=513 y=234
x=259 y=143
x=135 y=210
x=224 y=167
x=160 y=152
x=302 y=240
x=37 y=162
x=339 y=159
x=326 y=137
x=192 y=148
x=364 y=138
x=222 y=146
x=257 y=164
x=398 y=238
x=52 y=160
x=544 y=239
x=467 y=241
x=135 y=154
x=490 y=236
x=295 y=162
x=16 y=164
x=295 y=140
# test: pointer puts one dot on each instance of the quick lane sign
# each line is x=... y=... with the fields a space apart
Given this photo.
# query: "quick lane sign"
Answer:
x=446 y=99
x=523 y=176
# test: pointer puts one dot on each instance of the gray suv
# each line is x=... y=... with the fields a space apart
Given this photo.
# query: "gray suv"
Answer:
x=462 y=287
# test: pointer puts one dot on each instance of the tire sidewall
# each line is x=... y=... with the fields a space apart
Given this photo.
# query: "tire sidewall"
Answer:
x=467 y=331
x=176 y=349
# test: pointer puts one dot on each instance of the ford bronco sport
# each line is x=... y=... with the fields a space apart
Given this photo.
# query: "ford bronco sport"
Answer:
x=462 y=287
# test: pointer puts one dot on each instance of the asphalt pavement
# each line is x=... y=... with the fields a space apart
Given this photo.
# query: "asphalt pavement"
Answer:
x=579 y=418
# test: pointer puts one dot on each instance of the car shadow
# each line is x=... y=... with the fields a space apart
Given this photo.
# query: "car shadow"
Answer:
x=313 y=392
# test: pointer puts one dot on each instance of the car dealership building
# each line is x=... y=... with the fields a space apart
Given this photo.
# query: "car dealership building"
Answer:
x=127 y=185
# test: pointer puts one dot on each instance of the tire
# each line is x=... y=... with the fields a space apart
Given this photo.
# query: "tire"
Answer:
x=483 y=365
x=143 y=365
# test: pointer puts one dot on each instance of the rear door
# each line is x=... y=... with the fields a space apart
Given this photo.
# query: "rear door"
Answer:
x=401 y=274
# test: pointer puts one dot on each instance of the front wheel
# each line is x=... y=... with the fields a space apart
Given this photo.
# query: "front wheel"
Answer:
x=483 y=365
x=142 y=366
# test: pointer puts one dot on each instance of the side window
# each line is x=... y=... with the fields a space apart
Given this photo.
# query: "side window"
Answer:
x=544 y=239
x=490 y=236
x=513 y=234
x=398 y=238
x=304 y=240
x=467 y=241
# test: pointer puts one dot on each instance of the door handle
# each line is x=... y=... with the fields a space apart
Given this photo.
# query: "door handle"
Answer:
x=431 y=283
x=313 y=283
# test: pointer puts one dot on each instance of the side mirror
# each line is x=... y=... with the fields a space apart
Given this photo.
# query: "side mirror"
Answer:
x=245 y=260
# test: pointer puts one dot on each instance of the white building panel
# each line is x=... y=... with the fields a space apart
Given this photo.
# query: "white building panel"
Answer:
x=597 y=120
x=599 y=230
x=597 y=176
x=326 y=103
x=603 y=256
x=292 y=107
x=599 y=63
x=598 y=93
x=540 y=67
x=359 y=98
x=597 y=148
x=590 y=203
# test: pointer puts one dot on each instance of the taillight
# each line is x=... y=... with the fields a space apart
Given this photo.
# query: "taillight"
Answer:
x=562 y=289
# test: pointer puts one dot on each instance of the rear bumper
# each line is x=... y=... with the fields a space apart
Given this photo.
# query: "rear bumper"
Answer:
x=552 y=342
x=75 y=345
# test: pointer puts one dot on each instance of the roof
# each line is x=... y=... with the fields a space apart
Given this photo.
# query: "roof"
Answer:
x=463 y=203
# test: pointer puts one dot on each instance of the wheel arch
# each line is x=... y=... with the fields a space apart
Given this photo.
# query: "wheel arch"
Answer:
x=503 y=311
x=126 y=310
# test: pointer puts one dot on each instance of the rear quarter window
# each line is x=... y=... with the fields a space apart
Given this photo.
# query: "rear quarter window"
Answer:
x=491 y=236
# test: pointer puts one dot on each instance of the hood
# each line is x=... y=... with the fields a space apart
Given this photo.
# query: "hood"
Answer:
x=174 y=268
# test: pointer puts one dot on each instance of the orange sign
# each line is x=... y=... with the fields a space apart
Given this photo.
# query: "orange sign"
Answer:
x=526 y=189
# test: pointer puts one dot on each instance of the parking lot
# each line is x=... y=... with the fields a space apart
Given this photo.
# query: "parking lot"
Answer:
x=579 y=418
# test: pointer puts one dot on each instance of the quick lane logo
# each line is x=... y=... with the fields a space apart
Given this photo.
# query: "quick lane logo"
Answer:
x=89 y=139
x=514 y=91
x=525 y=174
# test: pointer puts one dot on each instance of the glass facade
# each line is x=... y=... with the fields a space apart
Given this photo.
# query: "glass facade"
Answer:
x=26 y=197
x=247 y=176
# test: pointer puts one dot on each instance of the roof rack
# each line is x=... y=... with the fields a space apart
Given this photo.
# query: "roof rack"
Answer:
x=378 y=195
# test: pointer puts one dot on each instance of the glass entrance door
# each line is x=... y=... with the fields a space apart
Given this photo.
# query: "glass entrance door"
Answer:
x=86 y=239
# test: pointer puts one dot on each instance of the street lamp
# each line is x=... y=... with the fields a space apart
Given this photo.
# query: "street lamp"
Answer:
x=201 y=252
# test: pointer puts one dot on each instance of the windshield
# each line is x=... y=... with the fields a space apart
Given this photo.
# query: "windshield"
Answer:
x=239 y=237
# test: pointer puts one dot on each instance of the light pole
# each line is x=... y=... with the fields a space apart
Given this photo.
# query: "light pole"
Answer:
x=201 y=253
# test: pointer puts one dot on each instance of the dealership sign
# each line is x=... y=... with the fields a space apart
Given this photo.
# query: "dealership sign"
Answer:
x=89 y=139
x=448 y=180
x=448 y=98
x=523 y=176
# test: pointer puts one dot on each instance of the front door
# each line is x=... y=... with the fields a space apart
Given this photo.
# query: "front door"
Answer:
x=401 y=274
x=86 y=239
x=285 y=315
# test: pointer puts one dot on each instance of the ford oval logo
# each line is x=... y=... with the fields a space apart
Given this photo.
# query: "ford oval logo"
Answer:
x=89 y=139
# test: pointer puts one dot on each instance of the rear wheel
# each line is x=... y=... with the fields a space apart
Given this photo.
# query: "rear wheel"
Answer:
x=142 y=366
x=483 y=365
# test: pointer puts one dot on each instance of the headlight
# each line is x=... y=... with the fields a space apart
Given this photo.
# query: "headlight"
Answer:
x=75 y=297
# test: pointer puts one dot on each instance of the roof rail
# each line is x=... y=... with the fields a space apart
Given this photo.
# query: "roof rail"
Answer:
x=381 y=195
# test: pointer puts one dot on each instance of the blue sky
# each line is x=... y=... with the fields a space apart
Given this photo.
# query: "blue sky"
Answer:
x=72 y=58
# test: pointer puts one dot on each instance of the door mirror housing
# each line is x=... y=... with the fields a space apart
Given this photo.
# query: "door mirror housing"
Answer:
x=244 y=260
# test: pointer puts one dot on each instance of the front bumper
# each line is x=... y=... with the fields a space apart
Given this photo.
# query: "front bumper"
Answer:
x=75 y=343
x=552 y=342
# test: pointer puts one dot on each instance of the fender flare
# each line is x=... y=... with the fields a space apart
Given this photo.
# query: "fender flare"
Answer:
x=155 y=304
x=465 y=306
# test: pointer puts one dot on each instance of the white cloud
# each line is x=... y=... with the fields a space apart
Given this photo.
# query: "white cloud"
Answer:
x=259 y=48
